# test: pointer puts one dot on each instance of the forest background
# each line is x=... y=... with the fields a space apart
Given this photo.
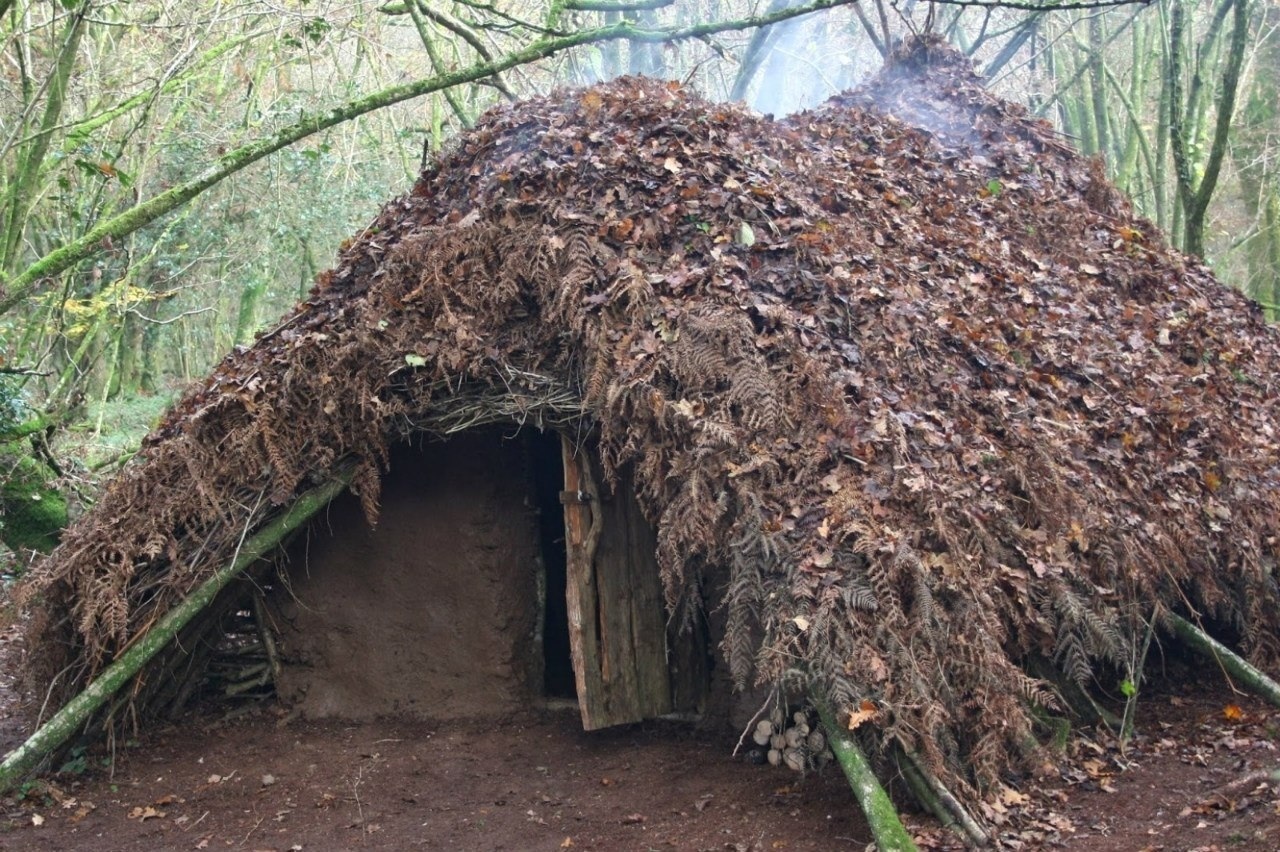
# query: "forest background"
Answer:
x=174 y=175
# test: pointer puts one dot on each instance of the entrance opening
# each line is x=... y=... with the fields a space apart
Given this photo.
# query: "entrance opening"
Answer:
x=490 y=579
x=433 y=612
x=547 y=466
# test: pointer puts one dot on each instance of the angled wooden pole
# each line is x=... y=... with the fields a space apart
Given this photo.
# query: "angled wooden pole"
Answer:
x=886 y=827
x=940 y=801
x=52 y=734
x=1231 y=662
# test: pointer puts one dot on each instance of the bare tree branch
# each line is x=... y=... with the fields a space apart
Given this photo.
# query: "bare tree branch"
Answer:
x=66 y=256
x=1049 y=6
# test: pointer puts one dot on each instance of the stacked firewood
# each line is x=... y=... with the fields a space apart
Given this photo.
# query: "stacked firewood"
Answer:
x=239 y=667
x=245 y=664
x=796 y=741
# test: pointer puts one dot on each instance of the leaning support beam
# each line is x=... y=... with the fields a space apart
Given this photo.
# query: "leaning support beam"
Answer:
x=69 y=719
x=886 y=827
x=923 y=793
x=1233 y=663
x=940 y=801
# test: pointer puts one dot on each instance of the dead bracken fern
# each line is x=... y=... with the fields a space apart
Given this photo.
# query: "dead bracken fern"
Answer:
x=914 y=432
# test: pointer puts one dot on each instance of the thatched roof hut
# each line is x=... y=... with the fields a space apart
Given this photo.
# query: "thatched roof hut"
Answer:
x=901 y=384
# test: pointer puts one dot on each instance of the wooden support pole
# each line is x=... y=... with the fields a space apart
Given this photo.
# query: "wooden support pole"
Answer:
x=266 y=636
x=70 y=718
x=1232 y=663
x=922 y=792
x=886 y=827
x=935 y=796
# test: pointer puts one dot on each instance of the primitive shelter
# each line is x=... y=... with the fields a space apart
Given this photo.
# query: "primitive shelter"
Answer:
x=909 y=401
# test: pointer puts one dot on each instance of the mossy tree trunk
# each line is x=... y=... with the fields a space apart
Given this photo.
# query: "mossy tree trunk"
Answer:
x=1226 y=659
x=1197 y=177
x=1254 y=152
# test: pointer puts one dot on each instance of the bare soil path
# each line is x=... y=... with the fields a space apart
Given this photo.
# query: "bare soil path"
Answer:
x=1194 y=780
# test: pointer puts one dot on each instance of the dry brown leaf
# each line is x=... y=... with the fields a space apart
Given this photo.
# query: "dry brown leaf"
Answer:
x=865 y=713
x=1012 y=798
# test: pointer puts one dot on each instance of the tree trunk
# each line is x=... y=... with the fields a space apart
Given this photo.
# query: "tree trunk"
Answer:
x=1253 y=153
x=22 y=189
x=1195 y=193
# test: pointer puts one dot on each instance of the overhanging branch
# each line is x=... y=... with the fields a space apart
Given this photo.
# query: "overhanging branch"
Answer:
x=1051 y=6
x=13 y=291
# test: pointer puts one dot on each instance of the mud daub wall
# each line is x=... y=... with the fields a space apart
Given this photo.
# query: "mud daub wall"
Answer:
x=433 y=613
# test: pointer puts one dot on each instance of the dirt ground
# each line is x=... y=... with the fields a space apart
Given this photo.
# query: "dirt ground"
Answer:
x=1194 y=779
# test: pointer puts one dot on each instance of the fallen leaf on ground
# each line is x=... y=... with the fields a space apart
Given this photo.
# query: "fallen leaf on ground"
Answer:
x=1012 y=797
x=144 y=814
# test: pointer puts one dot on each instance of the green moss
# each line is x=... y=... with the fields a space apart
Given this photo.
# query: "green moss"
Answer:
x=34 y=513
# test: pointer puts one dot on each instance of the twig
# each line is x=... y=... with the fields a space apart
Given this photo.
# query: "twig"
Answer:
x=1258 y=776
x=266 y=636
x=252 y=830
x=1131 y=700
x=752 y=722
x=355 y=792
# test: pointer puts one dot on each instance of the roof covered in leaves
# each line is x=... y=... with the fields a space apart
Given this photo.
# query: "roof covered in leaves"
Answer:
x=903 y=374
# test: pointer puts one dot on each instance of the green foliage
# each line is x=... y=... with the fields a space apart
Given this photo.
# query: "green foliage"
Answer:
x=13 y=406
x=112 y=427
x=34 y=512
x=76 y=763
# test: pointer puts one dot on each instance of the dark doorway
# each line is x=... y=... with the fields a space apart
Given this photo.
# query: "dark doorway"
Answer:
x=432 y=613
x=548 y=482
